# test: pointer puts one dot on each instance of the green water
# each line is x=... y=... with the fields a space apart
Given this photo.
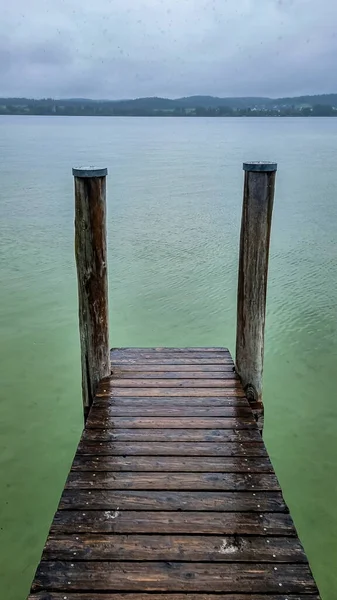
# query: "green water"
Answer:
x=174 y=202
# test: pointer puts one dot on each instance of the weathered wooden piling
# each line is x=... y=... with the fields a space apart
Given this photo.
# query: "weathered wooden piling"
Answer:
x=92 y=277
x=258 y=198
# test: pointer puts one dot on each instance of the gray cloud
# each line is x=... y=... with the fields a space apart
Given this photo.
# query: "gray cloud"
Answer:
x=130 y=48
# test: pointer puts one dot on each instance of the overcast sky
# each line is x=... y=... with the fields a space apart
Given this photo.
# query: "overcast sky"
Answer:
x=131 y=48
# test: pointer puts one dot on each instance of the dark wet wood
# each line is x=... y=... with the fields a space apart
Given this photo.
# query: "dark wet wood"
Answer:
x=185 y=501
x=100 y=419
x=220 y=392
x=173 y=435
x=172 y=492
x=96 y=449
x=117 y=521
x=162 y=368
x=163 y=596
x=172 y=463
x=168 y=410
x=104 y=399
x=171 y=576
x=174 y=547
x=172 y=481
x=92 y=277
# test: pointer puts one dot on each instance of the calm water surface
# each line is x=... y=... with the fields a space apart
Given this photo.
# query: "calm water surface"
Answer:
x=174 y=203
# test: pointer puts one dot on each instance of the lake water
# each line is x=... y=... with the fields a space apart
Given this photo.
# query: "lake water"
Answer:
x=174 y=208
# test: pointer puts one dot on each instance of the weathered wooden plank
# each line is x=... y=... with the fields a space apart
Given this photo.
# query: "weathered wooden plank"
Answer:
x=167 y=352
x=113 y=410
x=118 y=521
x=99 y=418
x=104 y=399
x=172 y=463
x=170 y=360
x=163 y=596
x=185 y=501
x=223 y=392
x=158 y=368
x=161 y=350
x=242 y=436
x=119 y=373
x=170 y=576
x=171 y=449
x=172 y=481
x=180 y=383
x=177 y=547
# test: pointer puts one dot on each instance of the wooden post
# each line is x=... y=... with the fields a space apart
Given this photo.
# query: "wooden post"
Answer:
x=257 y=210
x=91 y=262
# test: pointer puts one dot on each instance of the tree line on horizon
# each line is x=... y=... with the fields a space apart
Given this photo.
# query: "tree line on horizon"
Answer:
x=198 y=106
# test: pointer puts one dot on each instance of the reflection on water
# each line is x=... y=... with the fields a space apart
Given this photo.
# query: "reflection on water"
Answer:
x=174 y=204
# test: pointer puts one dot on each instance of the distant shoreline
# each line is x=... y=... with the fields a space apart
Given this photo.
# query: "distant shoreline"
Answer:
x=192 y=106
x=165 y=115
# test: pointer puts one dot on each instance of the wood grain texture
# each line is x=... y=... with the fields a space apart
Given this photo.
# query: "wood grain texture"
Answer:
x=236 y=548
x=92 y=278
x=97 y=449
x=100 y=419
x=242 y=436
x=171 y=359
x=171 y=493
x=162 y=368
x=49 y=595
x=170 y=576
x=150 y=392
x=179 y=383
x=172 y=481
x=172 y=463
x=123 y=521
x=119 y=373
x=105 y=399
x=94 y=499
x=112 y=410
x=257 y=210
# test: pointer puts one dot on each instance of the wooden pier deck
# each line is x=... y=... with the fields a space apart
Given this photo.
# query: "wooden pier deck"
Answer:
x=172 y=495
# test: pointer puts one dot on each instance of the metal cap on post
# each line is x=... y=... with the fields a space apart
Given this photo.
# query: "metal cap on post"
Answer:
x=92 y=277
x=87 y=172
x=258 y=199
x=260 y=167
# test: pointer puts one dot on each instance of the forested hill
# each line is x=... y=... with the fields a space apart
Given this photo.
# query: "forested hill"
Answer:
x=319 y=105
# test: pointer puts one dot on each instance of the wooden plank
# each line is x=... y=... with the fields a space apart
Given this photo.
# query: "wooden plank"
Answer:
x=99 y=418
x=170 y=360
x=181 y=383
x=171 y=449
x=179 y=547
x=113 y=410
x=172 y=481
x=172 y=463
x=168 y=576
x=118 y=521
x=242 y=436
x=119 y=373
x=106 y=399
x=50 y=595
x=230 y=392
x=94 y=499
x=167 y=352
x=161 y=350
x=194 y=368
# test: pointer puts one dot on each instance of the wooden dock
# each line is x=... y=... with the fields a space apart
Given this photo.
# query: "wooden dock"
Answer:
x=172 y=493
